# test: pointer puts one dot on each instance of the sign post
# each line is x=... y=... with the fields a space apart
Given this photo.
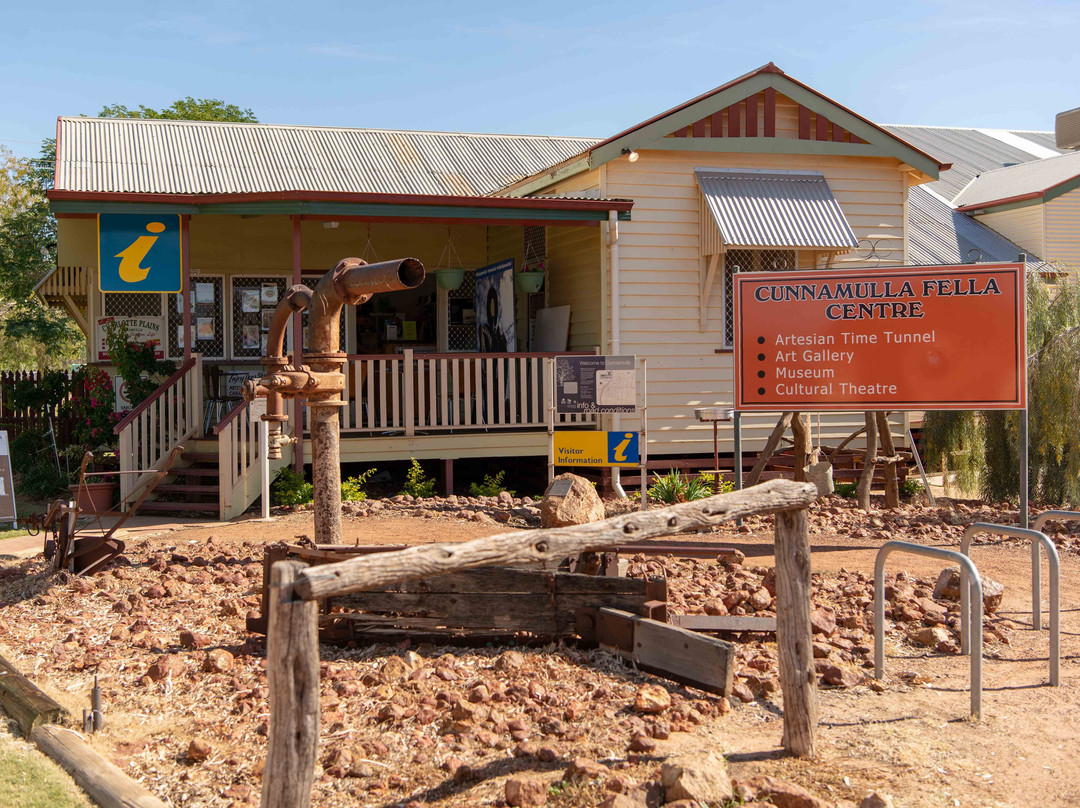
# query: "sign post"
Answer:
x=7 y=485
x=598 y=385
x=902 y=338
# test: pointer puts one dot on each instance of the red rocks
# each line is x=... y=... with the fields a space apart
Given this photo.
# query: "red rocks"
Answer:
x=652 y=699
x=525 y=791
x=166 y=666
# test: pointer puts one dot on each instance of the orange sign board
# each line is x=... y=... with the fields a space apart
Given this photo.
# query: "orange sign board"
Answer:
x=903 y=338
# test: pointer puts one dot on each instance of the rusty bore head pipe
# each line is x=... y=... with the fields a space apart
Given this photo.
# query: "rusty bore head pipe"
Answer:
x=352 y=282
x=297 y=298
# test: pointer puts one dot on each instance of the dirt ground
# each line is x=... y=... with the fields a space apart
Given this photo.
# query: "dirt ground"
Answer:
x=913 y=740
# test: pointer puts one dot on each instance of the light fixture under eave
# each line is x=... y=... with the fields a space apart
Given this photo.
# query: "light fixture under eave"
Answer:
x=631 y=155
x=330 y=225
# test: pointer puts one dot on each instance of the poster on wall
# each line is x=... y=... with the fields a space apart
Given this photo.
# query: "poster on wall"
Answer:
x=495 y=307
x=140 y=329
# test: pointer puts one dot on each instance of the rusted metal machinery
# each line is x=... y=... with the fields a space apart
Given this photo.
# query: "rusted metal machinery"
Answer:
x=320 y=381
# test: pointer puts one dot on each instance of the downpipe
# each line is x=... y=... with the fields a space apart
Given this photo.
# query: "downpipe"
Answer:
x=616 y=343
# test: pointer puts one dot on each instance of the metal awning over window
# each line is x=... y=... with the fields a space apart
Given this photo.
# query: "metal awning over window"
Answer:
x=778 y=209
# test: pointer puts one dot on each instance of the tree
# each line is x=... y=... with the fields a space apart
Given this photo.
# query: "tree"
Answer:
x=33 y=335
x=981 y=448
x=186 y=109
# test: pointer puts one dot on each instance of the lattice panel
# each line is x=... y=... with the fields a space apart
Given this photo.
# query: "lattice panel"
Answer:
x=534 y=246
x=253 y=304
x=136 y=304
x=207 y=318
x=750 y=261
x=461 y=316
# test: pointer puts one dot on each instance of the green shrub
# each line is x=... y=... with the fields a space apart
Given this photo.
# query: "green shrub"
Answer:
x=673 y=487
x=846 y=489
x=352 y=488
x=491 y=486
x=291 y=488
x=910 y=488
x=417 y=483
x=40 y=481
x=718 y=485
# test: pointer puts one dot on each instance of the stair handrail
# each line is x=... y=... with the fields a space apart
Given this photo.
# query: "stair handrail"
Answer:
x=158 y=393
x=229 y=416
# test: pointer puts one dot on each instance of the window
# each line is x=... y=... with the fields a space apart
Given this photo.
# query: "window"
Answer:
x=750 y=261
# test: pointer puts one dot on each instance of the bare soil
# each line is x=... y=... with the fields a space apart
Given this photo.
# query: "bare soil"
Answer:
x=379 y=747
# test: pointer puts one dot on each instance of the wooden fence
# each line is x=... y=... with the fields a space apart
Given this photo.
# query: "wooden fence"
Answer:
x=33 y=419
x=292 y=641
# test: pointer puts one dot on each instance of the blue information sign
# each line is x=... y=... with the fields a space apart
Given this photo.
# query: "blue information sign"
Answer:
x=139 y=252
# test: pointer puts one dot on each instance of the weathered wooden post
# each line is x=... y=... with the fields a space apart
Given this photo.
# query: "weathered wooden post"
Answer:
x=292 y=672
x=793 y=632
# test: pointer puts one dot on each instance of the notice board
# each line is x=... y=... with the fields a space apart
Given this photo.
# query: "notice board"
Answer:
x=7 y=485
x=901 y=338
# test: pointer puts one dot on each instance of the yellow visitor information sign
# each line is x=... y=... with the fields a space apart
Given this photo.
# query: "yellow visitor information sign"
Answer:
x=597 y=449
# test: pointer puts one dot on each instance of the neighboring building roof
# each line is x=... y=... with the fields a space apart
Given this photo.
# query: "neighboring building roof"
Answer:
x=937 y=234
x=974 y=151
x=1025 y=181
x=118 y=155
x=775 y=209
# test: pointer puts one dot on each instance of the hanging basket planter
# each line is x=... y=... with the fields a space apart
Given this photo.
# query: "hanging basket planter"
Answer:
x=451 y=278
x=529 y=282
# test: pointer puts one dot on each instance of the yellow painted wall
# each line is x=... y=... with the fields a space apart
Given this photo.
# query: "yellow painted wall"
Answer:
x=1023 y=226
x=573 y=279
x=76 y=242
x=1062 y=218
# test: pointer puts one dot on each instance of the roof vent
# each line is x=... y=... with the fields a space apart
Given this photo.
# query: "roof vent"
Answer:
x=1067 y=129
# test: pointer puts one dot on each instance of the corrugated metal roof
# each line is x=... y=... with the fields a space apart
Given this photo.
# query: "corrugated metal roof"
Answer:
x=970 y=151
x=195 y=157
x=1027 y=178
x=775 y=209
x=937 y=234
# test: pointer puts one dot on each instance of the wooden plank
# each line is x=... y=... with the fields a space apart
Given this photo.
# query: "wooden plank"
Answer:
x=734 y=122
x=548 y=546
x=546 y=613
x=699 y=128
x=804 y=123
x=104 y=782
x=751 y=116
x=509 y=580
x=23 y=701
x=793 y=633
x=292 y=674
x=822 y=129
x=716 y=124
x=770 y=112
x=725 y=622
x=672 y=652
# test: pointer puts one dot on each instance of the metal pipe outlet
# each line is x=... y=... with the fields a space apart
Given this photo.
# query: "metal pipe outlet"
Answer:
x=351 y=282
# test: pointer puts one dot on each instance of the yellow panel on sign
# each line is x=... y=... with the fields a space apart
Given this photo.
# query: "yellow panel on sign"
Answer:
x=597 y=449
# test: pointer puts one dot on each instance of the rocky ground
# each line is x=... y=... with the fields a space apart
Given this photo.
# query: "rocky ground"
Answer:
x=184 y=685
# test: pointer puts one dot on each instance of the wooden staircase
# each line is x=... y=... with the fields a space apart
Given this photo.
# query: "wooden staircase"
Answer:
x=193 y=490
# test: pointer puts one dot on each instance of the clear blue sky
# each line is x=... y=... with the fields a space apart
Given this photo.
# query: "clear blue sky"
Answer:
x=546 y=67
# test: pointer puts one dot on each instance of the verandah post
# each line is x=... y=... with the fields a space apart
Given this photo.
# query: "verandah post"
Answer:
x=292 y=672
x=793 y=633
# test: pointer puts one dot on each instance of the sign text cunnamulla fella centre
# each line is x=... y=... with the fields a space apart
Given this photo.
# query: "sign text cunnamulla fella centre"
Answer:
x=943 y=337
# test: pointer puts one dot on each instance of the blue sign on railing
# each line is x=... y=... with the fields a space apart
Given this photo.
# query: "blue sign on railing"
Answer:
x=139 y=253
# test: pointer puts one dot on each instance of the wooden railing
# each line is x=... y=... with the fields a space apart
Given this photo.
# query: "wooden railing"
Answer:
x=239 y=458
x=167 y=418
x=409 y=393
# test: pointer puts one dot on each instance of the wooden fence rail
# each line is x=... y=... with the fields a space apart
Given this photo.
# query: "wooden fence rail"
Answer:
x=292 y=650
x=17 y=420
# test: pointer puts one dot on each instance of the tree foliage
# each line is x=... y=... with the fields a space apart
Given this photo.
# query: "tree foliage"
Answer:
x=186 y=109
x=982 y=448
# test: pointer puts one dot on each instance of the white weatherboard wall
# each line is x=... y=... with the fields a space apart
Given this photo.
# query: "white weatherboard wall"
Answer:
x=660 y=266
x=1062 y=218
x=1023 y=226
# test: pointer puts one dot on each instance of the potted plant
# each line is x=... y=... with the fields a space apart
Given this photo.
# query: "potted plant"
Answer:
x=531 y=278
x=93 y=420
x=450 y=278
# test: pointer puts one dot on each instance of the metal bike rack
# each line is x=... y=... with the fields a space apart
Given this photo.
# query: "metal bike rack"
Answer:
x=1037 y=538
x=970 y=614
